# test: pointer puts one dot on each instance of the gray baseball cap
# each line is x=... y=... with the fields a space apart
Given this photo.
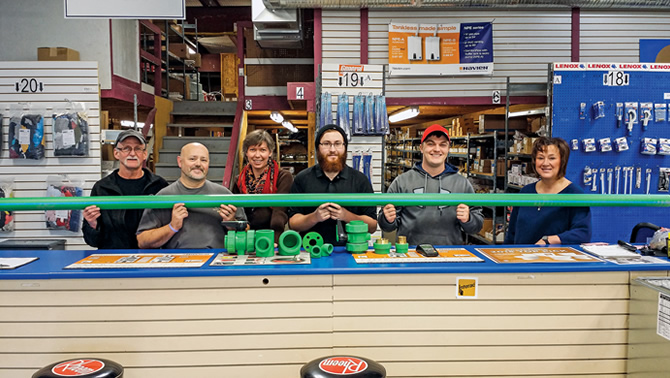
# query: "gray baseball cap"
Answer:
x=130 y=133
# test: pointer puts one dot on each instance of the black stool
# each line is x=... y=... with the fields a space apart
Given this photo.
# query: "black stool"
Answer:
x=338 y=366
x=81 y=367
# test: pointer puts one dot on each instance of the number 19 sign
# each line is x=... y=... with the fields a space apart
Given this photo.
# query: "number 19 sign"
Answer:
x=352 y=76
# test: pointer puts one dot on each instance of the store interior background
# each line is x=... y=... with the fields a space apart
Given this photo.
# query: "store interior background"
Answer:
x=526 y=40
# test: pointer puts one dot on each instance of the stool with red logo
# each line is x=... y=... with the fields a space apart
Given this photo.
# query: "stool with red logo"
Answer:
x=342 y=366
x=81 y=367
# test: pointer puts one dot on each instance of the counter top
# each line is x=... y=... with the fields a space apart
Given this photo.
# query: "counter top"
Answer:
x=50 y=265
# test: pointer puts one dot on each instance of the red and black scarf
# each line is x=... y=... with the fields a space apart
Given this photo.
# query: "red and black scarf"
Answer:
x=265 y=184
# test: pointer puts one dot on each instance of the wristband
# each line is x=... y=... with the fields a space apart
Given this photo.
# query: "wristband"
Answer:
x=172 y=228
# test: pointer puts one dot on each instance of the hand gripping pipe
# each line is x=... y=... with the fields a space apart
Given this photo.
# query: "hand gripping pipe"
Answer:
x=350 y=199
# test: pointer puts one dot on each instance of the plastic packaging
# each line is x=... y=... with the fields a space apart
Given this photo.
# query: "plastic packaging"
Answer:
x=648 y=146
x=598 y=110
x=358 y=120
x=326 y=110
x=369 y=114
x=367 y=163
x=605 y=144
x=663 y=146
x=589 y=144
x=62 y=186
x=343 y=114
x=381 y=117
x=621 y=144
x=26 y=133
x=70 y=131
x=660 y=112
x=356 y=160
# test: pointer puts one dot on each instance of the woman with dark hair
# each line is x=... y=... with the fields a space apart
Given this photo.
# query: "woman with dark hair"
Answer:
x=261 y=175
x=550 y=225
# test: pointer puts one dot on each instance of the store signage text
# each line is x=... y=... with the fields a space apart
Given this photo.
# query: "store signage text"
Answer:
x=29 y=85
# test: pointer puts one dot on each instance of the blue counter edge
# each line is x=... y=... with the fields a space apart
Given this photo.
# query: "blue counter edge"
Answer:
x=50 y=265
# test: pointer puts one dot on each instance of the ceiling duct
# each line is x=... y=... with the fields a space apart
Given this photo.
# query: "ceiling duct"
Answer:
x=276 y=28
x=465 y=4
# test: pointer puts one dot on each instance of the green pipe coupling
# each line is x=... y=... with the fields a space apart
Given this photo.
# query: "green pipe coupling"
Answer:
x=356 y=227
x=229 y=241
x=401 y=245
x=358 y=238
x=382 y=247
x=289 y=243
x=251 y=235
x=310 y=240
x=357 y=247
x=265 y=243
x=315 y=252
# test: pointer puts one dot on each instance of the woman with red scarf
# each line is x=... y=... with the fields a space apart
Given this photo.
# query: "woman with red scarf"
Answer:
x=261 y=175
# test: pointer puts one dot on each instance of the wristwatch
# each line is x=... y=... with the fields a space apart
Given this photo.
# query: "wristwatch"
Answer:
x=545 y=239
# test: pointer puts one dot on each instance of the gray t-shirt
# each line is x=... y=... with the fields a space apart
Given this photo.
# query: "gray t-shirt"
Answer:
x=201 y=229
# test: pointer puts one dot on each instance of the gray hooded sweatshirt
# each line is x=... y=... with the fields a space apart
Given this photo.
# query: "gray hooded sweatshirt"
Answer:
x=435 y=225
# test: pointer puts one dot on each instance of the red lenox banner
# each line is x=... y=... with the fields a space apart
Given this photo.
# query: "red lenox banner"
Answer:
x=440 y=49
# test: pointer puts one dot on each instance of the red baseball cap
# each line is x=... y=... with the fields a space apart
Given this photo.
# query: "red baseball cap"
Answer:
x=435 y=129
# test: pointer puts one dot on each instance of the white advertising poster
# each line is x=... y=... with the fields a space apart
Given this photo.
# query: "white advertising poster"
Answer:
x=440 y=49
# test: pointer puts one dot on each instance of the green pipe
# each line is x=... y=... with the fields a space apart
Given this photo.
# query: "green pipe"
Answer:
x=349 y=199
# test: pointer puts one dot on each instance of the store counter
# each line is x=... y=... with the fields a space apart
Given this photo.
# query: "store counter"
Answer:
x=267 y=321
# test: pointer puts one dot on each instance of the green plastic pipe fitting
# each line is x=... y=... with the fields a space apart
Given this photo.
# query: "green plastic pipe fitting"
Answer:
x=265 y=243
x=289 y=243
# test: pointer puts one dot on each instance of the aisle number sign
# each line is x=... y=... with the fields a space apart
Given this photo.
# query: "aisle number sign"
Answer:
x=353 y=76
x=440 y=49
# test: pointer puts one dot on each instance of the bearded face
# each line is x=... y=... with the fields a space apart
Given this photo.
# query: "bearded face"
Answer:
x=332 y=161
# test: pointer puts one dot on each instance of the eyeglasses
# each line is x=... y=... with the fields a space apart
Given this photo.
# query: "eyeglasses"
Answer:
x=328 y=145
x=127 y=149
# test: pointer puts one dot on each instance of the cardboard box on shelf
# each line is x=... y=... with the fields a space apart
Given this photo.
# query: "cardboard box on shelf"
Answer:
x=180 y=50
x=57 y=53
x=489 y=122
x=197 y=58
x=485 y=165
x=500 y=167
x=537 y=123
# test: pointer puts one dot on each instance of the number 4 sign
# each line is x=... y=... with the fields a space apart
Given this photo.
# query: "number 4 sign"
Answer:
x=299 y=93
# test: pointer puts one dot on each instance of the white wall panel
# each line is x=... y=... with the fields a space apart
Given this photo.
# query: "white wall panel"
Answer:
x=341 y=36
x=613 y=36
x=74 y=81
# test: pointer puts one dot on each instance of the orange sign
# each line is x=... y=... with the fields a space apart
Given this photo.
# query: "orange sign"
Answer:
x=445 y=255
x=536 y=254
x=142 y=260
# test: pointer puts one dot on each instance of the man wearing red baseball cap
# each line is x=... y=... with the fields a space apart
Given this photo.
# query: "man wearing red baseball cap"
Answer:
x=437 y=225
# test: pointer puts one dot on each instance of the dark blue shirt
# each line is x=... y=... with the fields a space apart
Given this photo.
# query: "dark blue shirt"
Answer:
x=527 y=225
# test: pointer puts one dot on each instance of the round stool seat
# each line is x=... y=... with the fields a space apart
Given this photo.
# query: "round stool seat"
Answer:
x=338 y=366
x=81 y=367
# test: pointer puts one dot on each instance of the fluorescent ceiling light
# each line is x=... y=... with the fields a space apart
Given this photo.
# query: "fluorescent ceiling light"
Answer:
x=276 y=116
x=404 y=114
x=125 y=123
x=289 y=125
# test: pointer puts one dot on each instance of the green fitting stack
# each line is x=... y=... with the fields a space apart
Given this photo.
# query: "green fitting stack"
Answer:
x=357 y=236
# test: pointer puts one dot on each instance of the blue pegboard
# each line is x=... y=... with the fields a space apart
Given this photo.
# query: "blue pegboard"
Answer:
x=576 y=83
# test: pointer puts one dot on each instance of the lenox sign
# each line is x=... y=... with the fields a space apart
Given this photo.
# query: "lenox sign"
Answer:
x=343 y=365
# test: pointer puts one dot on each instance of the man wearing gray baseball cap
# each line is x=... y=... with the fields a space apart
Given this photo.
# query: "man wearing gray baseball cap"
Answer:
x=115 y=229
